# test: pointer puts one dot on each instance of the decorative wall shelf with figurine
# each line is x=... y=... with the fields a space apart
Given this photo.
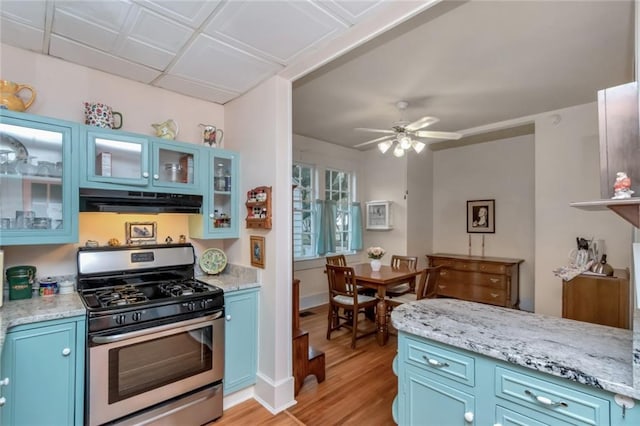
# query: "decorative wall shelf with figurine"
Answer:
x=259 y=207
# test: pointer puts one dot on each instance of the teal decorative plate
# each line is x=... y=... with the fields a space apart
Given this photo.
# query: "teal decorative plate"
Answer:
x=213 y=261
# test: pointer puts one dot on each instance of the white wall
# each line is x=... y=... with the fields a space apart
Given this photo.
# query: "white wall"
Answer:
x=61 y=89
x=259 y=126
x=567 y=169
x=420 y=205
x=501 y=170
x=385 y=178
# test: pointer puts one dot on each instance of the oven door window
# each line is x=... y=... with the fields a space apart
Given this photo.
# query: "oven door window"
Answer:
x=144 y=366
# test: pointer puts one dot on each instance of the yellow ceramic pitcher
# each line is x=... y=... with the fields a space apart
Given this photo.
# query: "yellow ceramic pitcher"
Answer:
x=9 y=95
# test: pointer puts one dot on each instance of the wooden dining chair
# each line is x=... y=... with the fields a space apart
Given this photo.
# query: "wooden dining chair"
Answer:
x=343 y=295
x=427 y=287
x=398 y=262
x=337 y=260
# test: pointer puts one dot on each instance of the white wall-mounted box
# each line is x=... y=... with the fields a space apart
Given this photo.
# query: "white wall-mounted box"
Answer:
x=378 y=215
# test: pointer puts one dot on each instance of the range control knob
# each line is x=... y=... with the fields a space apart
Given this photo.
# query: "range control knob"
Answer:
x=137 y=316
x=191 y=306
x=120 y=319
x=203 y=304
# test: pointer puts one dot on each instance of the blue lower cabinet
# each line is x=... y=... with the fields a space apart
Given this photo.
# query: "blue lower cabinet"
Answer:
x=241 y=339
x=442 y=385
x=44 y=365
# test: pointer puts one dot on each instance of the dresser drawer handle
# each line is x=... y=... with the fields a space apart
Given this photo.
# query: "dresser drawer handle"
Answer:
x=440 y=286
x=435 y=363
x=443 y=273
x=494 y=295
x=545 y=401
x=494 y=280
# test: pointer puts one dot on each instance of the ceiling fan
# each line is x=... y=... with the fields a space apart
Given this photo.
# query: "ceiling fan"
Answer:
x=402 y=133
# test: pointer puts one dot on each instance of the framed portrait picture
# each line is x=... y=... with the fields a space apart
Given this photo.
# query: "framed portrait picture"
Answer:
x=141 y=232
x=481 y=216
x=257 y=251
x=378 y=215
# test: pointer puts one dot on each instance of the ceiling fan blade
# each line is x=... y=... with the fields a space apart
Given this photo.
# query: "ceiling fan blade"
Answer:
x=365 y=129
x=384 y=138
x=421 y=123
x=438 y=135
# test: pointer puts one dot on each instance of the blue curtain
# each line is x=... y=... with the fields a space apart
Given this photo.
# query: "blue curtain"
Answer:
x=325 y=227
x=356 y=226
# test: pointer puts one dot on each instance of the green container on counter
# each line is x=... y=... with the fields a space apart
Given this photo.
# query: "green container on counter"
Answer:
x=20 y=279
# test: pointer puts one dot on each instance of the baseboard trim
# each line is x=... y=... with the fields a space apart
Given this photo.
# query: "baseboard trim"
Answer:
x=307 y=302
x=238 y=397
x=274 y=396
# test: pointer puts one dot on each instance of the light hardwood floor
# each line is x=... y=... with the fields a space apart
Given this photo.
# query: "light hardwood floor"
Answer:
x=358 y=390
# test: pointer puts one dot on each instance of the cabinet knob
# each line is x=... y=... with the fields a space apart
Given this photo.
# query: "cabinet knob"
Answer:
x=228 y=317
x=145 y=174
x=3 y=401
x=156 y=177
x=212 y=216
x=468 y=417
x=4 y=382
x=66 y=352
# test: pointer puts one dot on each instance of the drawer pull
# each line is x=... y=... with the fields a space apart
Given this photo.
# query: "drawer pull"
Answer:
x=494 y=280
x=468 y=417
x=442 y=286
x=494 y=295
x=434 y=362
x=545 y=401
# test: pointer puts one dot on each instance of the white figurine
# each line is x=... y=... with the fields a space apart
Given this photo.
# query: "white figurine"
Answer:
x=622 y=186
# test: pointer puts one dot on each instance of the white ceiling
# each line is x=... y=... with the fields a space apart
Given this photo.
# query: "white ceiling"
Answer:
x=470 y=64
x=467 y=63
x=214 y=50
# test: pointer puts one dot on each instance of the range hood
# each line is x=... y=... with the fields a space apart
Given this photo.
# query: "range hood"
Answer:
x=102 y=200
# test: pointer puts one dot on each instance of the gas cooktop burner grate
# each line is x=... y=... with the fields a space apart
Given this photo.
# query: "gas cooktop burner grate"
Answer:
x=121 y=295
x=185 y=288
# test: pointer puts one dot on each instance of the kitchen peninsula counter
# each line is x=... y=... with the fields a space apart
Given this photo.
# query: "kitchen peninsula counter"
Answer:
x=591 y=354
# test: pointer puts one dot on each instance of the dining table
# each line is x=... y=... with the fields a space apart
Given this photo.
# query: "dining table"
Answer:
x=379 y=281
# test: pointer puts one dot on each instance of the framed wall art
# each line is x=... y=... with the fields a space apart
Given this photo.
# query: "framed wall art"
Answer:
x=257 y=251
x=378 y=215
x=141 y=232
x=481 y=216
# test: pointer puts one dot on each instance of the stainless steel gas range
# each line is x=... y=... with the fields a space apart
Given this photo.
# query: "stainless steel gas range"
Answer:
x=155 y=344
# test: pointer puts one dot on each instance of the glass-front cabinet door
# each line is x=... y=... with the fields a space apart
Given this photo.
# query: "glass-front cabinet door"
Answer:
x=116 y=158
x=120 y=160
x=38 y=180
x=176 y=165
x=220 y=216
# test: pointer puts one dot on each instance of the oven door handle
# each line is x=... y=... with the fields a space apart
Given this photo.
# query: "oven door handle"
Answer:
x=101 y=340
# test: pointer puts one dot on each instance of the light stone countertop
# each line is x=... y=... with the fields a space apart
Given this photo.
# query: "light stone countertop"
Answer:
x=37 y=309
x=591 y=354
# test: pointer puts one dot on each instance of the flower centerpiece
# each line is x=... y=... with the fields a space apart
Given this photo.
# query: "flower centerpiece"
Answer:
x=375 y=254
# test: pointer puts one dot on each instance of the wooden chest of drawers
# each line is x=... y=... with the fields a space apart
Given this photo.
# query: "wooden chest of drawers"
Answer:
x=491 y=280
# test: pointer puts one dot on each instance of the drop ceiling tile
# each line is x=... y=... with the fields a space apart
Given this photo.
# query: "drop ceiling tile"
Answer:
x=194 y=89
x=191 y=13
x=155 y=30
x=277 y=30
x=144 y=54
x=31 y=13
x=349 y=10
x=110 y=14
x=214 y=63
x=22 y=36
x=83 y=31
x=92 y=58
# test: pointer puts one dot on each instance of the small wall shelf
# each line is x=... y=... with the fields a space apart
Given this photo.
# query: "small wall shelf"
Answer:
x=628 y=208
x=259 y=207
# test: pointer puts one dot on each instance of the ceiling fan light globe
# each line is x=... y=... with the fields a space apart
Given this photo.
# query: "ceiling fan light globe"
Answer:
x=404 y=141
x=418 y=146
x=384 y=146
x=398 y=151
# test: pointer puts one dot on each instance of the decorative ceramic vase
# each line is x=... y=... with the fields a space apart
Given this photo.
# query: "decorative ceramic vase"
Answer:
x=375 y=265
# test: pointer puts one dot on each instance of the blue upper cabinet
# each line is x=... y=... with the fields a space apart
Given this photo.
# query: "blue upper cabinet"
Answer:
x=128 y=161
x=39 y=180
x=220 y=216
